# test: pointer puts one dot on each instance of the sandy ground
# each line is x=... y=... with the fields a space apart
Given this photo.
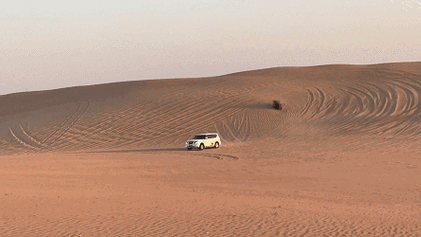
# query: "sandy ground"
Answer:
x=341 y=159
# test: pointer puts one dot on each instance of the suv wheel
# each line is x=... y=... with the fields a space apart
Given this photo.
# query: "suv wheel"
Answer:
x=201 y=147
x=216 y=145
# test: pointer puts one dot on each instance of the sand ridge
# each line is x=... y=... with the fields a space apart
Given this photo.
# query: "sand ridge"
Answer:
x=366 y=100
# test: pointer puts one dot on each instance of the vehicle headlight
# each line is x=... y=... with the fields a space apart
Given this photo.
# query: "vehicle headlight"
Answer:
x=195 y=142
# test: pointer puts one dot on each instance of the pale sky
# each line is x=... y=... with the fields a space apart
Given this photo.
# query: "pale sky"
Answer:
x=52 y=44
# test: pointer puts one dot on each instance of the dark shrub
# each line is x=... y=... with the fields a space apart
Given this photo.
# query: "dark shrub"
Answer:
x=277 y=105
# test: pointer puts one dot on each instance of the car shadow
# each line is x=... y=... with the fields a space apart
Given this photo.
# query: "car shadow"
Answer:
x=140 y=150
x=213 y=155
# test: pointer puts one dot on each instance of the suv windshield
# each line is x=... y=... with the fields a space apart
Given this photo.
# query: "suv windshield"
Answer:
x=199 y=137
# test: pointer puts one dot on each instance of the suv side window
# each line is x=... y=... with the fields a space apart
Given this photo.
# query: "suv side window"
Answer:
x=212 y=136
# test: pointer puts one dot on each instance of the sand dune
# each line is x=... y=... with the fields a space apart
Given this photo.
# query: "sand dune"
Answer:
x=341 y=158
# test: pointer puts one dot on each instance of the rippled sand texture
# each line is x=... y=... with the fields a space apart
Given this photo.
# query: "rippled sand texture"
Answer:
x=341 y=158
x=379 y=101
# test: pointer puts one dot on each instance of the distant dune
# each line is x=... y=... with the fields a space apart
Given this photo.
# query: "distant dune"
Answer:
x=341 y=158
x=337 y=100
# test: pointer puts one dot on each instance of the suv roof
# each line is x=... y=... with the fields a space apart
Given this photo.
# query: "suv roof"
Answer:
x=207 y=134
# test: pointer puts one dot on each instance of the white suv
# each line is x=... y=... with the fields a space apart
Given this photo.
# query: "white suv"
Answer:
x=204 y=140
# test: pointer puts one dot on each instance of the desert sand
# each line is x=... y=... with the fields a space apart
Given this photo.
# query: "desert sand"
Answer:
x=342 y=158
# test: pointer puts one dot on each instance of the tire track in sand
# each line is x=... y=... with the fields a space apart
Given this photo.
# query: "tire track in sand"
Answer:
x=21 y=138
x=24 y=138
x=53 y=139
x=389 y=105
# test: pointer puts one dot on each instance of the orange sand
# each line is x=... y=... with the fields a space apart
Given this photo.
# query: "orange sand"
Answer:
x=341 y=158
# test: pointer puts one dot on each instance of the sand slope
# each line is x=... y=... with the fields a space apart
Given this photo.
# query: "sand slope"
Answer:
x=334 y=100
x=341 y=158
